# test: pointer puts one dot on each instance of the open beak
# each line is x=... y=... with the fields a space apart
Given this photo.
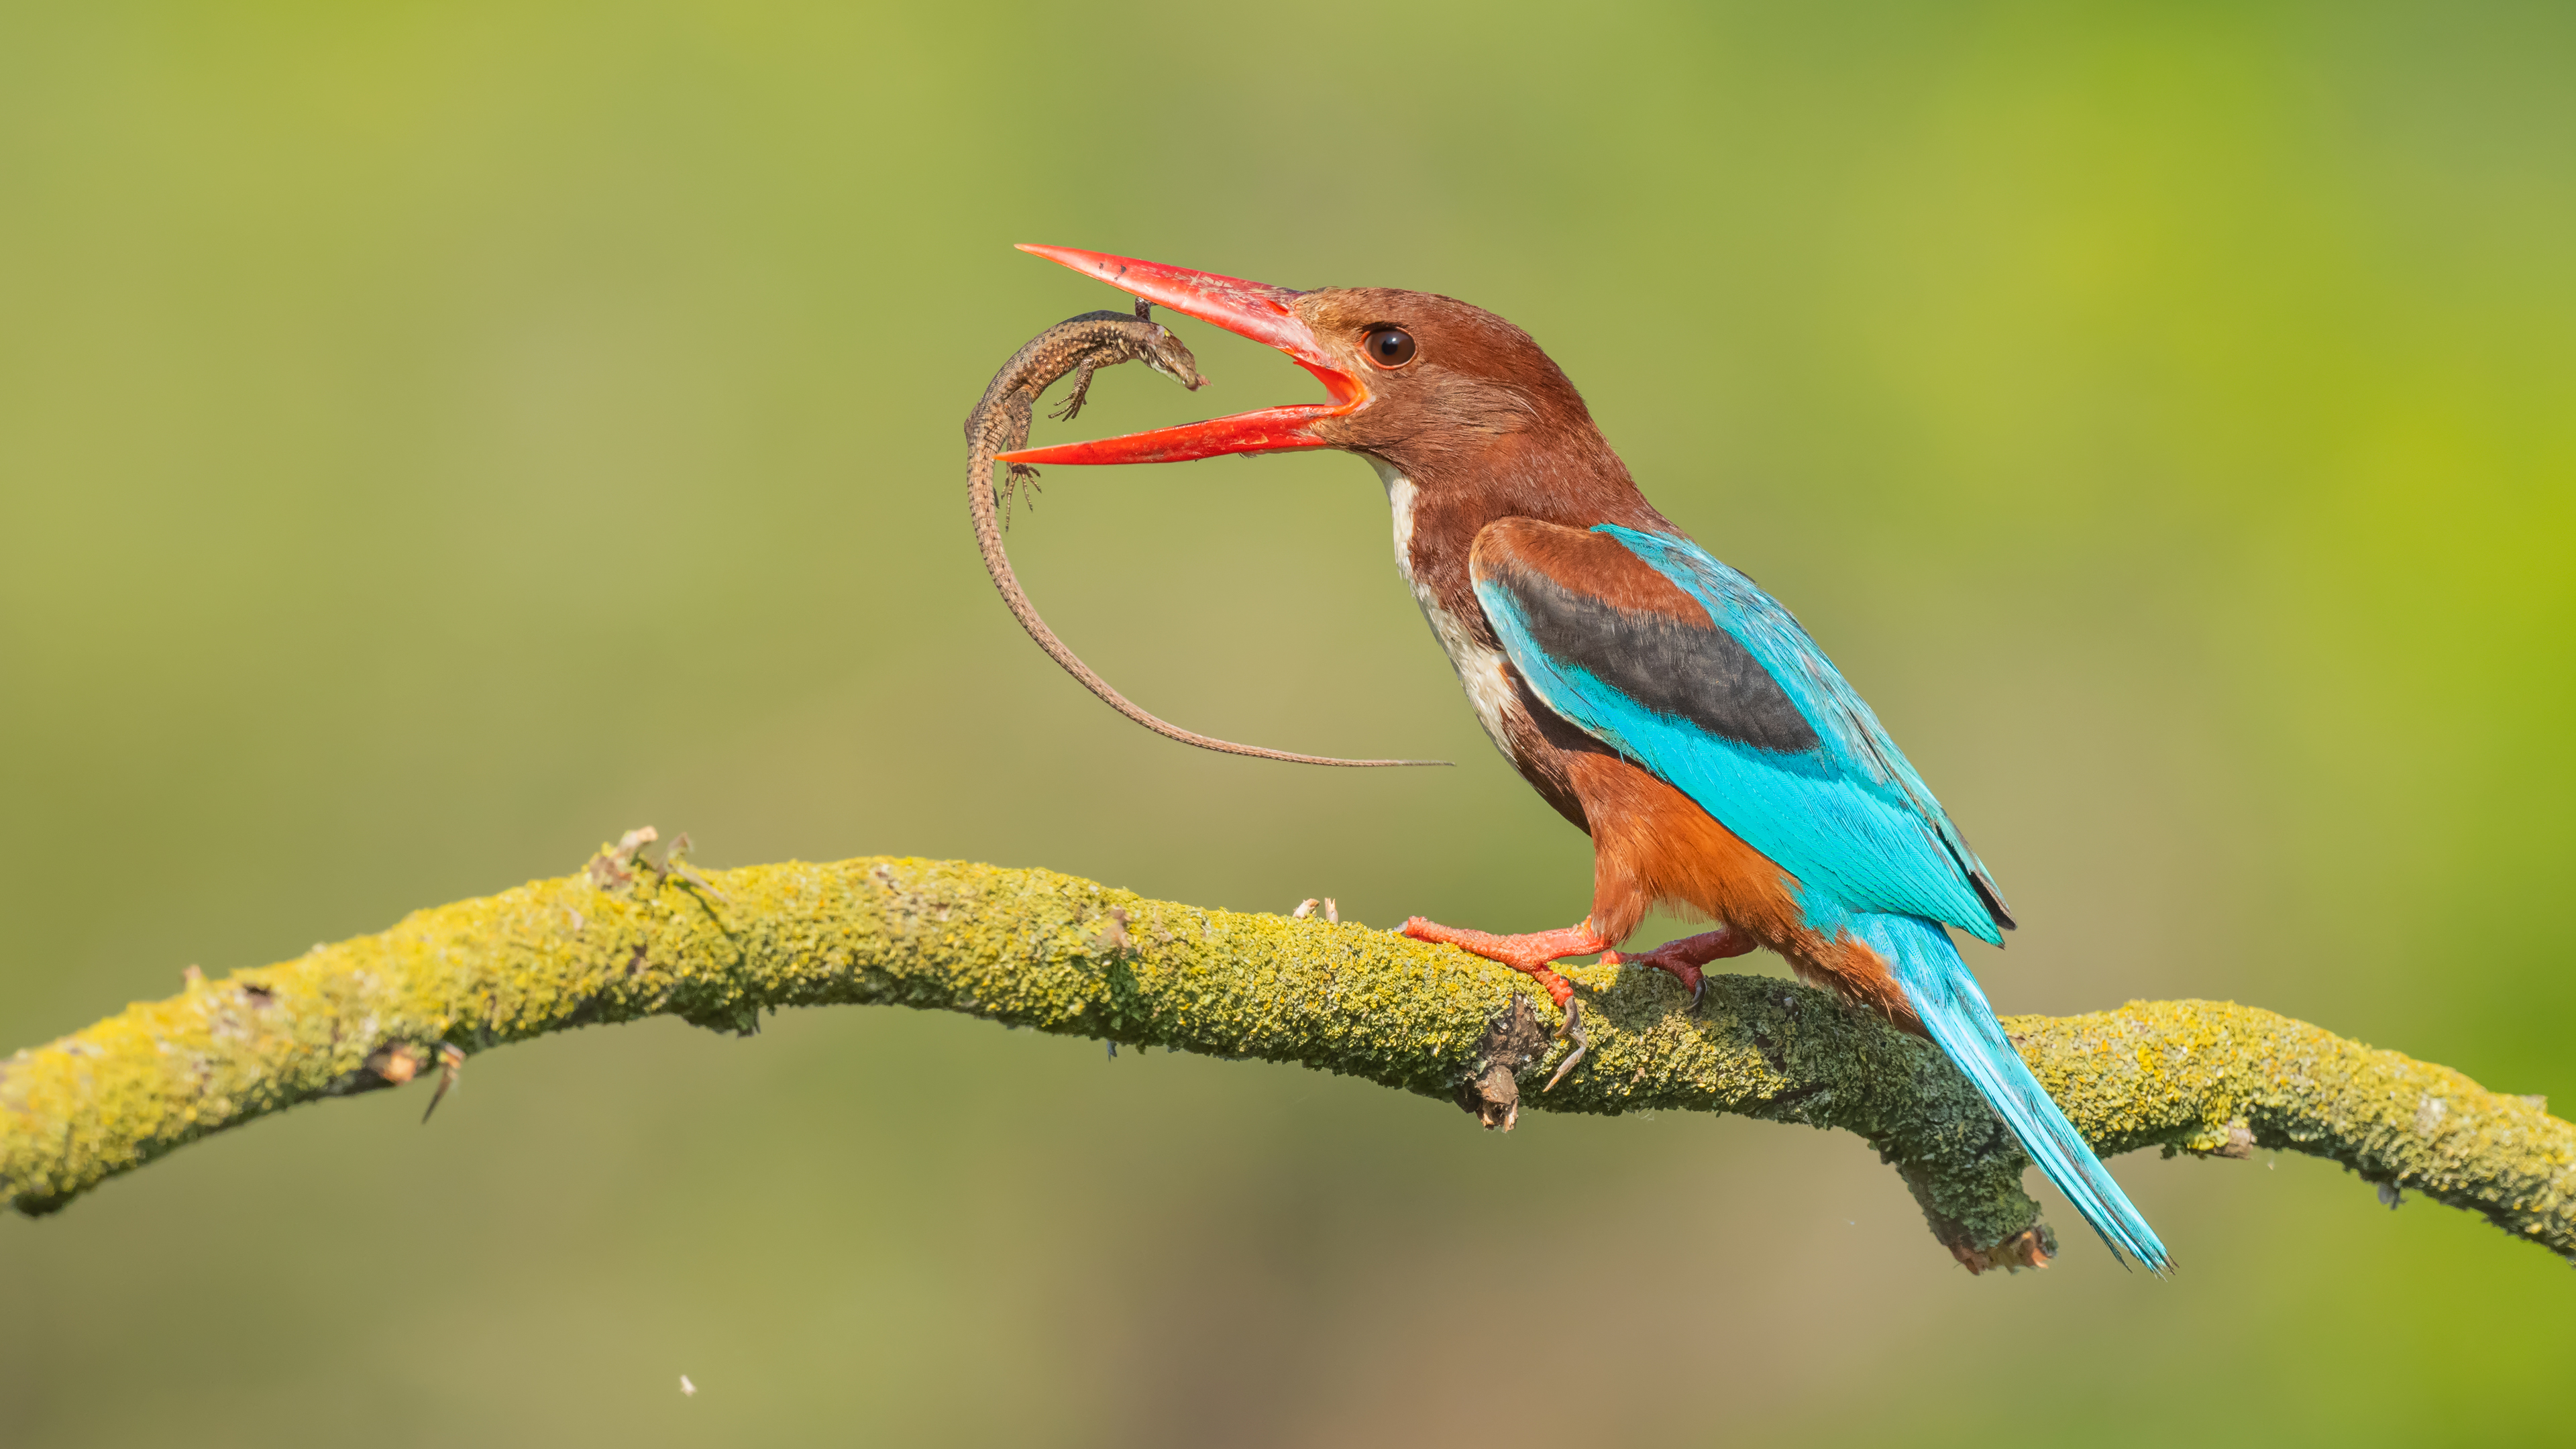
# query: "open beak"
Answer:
x=1262 y=313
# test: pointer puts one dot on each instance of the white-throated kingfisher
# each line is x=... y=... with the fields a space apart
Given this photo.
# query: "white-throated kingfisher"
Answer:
x=1658 y=699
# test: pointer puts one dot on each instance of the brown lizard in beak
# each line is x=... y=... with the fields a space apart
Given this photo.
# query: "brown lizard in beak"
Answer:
x=1000 y=424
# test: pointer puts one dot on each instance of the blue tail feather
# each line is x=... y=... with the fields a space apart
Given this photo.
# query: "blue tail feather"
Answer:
x=1955 y=1012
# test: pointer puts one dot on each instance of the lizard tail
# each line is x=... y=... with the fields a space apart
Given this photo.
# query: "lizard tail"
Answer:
x=988 y=537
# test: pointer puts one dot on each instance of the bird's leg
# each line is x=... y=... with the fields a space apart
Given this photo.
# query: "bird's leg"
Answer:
x=1684 y=957
x=1072 y=405
x=1530 y=954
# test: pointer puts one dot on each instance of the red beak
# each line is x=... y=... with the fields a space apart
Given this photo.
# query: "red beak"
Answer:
x=1262 y=313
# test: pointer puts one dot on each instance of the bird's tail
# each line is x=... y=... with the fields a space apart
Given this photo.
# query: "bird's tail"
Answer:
x=1955 y=1012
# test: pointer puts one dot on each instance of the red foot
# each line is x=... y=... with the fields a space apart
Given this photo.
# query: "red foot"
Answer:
x=1531 y=954
x=1684 y=957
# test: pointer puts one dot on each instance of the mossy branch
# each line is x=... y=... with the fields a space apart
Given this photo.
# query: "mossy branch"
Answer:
x=625 y=940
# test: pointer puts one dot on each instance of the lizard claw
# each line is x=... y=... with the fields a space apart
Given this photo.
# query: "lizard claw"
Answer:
x=1020 y=473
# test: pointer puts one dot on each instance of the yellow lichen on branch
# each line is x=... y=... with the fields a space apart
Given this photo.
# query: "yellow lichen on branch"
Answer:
x=625 y=939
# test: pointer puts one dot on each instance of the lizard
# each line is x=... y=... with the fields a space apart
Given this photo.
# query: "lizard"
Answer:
x=1000 y=424
x=1082 y=346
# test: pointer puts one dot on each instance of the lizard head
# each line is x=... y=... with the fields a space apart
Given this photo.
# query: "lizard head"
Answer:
x=1169 y=356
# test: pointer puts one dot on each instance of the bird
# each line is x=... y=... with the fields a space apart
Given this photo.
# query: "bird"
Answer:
x=1658 y=699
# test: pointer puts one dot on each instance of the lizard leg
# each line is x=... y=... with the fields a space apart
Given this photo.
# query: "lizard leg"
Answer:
x=1020 y=473
x=1530 y=954
x=1071 y=407
x=1684 y=957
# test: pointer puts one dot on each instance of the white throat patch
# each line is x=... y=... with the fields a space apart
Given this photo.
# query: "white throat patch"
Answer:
x=1481 y=670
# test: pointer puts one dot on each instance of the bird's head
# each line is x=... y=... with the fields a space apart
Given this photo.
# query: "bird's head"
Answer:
x=1424 y=383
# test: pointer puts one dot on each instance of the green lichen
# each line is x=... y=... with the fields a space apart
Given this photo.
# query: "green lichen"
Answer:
x=1059 y=954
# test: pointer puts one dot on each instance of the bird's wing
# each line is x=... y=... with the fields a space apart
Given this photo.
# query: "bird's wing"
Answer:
x=1682 y=664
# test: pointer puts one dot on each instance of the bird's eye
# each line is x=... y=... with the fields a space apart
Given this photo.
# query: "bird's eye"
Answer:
x=1389 y=347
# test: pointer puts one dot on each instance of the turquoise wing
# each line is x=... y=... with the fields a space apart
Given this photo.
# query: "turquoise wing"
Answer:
x=1745 y=715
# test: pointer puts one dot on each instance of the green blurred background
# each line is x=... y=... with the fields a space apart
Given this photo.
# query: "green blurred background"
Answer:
x=436 y=436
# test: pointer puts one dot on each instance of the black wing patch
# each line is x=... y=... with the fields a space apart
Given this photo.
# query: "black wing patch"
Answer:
x=1686 y=671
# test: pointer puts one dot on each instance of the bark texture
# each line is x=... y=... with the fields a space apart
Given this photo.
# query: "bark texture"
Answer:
x=624 y=939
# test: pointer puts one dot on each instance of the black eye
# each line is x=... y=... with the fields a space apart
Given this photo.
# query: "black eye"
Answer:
x=1389 y=347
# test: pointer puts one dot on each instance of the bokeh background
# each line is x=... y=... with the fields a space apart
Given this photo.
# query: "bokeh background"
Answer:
x=434 y=437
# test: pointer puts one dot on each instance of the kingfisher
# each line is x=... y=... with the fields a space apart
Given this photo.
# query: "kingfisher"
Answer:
x=1659 y=700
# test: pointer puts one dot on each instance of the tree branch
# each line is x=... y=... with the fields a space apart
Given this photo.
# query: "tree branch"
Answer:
x=625 y=940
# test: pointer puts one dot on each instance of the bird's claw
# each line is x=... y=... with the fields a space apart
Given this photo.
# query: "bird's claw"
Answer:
x=1571 y=1031
x=1684 y=958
